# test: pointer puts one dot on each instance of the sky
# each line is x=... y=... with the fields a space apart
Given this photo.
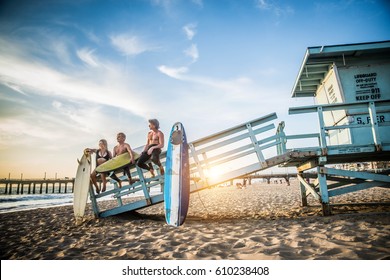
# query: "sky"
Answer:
x=75 y=71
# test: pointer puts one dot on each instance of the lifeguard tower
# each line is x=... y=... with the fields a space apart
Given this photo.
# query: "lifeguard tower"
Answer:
x=351 y=86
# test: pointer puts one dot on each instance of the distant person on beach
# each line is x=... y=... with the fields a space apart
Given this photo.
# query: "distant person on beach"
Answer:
x=102 y=155
x=152 y=150
x=119 y=149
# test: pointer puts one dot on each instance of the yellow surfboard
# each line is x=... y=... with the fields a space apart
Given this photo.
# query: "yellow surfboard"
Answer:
x=117 y=162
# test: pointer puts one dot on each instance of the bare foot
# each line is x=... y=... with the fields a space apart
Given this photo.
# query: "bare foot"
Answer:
x=152 y=172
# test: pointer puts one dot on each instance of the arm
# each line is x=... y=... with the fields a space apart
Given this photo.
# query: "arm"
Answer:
x=130 y=151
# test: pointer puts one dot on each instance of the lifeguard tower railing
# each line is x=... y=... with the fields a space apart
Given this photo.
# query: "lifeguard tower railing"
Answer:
x=331 y=182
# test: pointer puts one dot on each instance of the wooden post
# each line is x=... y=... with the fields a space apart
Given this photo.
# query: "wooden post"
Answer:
x=8 y=182
x=303 y=191
x=326 y=210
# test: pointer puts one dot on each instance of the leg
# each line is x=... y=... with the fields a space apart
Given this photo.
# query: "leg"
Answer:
x=144 y=157
x=126 y=170
x=141 y=162
x=156 y=159
x=113 y=176
x=104 y=182
x=94 y=182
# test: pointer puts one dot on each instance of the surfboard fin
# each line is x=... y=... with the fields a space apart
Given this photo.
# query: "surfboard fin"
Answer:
x=78 y=161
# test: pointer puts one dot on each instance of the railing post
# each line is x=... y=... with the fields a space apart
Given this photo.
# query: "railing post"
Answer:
x=322 y=130
x=374 y=126
x=281 y=147
x=259 y=154
x=198 y=164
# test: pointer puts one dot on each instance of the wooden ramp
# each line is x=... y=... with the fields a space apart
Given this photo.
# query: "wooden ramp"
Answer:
x=215 y=159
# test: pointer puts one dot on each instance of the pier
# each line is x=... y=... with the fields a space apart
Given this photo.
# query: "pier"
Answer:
x=270 y=176
x=36 y=186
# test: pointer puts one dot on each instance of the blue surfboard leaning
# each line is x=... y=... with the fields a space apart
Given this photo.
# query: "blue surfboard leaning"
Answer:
x=177 y=177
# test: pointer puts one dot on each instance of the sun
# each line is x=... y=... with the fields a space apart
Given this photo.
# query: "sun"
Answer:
x=215 y=172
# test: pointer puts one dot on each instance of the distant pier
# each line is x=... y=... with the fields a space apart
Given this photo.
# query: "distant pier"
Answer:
x=36 y=186
x=269 y=177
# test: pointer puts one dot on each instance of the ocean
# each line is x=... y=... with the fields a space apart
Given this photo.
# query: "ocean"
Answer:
x=22 y=202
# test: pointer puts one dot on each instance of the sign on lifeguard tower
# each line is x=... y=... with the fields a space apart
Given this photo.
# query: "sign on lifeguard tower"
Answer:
x=345 y=74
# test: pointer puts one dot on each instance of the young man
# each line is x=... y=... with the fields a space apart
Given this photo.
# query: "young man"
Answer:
x=119 y=149
x=154 y=144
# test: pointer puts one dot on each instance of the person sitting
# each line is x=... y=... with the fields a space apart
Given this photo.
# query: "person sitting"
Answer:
x=119 y=149
x=102 y=155
x=152 y=150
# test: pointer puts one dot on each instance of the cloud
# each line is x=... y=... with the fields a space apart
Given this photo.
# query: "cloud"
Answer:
x=15 y=87
x=129 y=45
x=198 y=3
x=271 y=5
x=233 y=87
x=176 y=73
x=86 y=55
x=102 y=85
x=190 y=30
x=263 y=5
x=192 y=52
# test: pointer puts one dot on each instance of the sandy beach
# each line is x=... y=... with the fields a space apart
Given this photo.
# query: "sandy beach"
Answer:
x=259 y=222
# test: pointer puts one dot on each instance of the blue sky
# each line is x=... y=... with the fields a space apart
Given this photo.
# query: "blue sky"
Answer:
x=72 y=72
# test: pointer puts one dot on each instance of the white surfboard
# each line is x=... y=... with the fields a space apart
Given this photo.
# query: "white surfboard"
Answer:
x=81 y=186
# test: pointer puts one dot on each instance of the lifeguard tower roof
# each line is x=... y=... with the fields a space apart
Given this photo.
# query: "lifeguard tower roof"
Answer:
x=318 y=61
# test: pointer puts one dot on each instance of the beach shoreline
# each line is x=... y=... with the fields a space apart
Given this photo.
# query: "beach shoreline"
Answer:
x=260 y=222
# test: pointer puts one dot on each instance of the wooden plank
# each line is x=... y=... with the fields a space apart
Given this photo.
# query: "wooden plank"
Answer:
x=356 y=174
x=307 y=165
x=132 y=206
x=235 y=129
x=308 y=187
x=355 y=188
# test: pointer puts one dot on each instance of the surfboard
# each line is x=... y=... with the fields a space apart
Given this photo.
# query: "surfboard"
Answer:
x=81 y=185
x=117 y=162
x=177 y=177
